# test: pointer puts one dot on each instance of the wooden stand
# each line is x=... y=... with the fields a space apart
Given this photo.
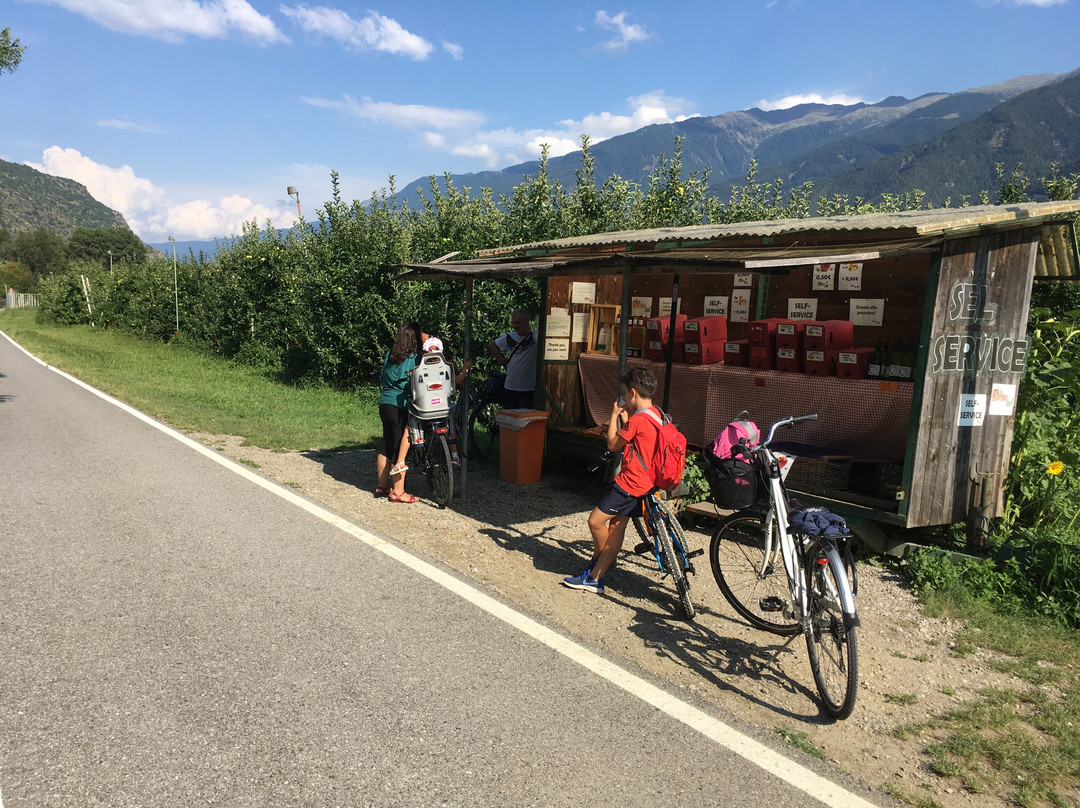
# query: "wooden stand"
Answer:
x=599 y=315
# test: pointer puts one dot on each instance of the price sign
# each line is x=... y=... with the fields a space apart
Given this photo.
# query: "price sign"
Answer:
x=850 y=277
x=824 y=277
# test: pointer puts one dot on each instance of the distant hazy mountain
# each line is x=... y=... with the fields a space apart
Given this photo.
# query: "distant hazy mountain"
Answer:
x=828 y=144
x=30 y=200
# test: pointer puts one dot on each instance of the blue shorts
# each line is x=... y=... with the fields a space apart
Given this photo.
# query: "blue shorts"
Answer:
x=617 y=502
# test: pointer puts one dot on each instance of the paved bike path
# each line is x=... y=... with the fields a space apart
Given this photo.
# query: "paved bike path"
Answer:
x=177 y=630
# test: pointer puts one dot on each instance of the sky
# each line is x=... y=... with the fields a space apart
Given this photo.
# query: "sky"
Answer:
x=191 y=117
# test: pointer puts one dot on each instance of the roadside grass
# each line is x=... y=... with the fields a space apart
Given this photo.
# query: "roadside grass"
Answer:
x=196 y=392
x=1024 y=740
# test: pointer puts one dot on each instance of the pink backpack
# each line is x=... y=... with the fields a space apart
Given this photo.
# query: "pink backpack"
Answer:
x=740 y=432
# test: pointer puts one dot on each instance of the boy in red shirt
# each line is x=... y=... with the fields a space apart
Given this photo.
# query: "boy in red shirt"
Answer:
x=637 y=438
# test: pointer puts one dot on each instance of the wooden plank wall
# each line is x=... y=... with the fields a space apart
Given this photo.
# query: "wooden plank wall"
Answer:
x=983 y=294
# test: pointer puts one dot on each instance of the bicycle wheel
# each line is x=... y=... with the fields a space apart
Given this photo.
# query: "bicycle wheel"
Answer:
x=672 y=545
x=484 y=429
x=755 y=586
x=440 y=472
x=833 y=649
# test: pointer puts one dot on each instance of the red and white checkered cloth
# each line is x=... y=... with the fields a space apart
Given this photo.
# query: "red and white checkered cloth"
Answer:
x=864 y=418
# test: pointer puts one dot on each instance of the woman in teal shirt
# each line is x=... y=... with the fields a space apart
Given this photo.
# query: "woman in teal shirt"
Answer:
x=393 y=411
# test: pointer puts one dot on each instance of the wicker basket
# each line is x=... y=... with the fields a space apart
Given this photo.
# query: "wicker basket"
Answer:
x=816 y=468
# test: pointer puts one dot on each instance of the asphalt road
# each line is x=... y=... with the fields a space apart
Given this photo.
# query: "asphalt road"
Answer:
x=174 y=630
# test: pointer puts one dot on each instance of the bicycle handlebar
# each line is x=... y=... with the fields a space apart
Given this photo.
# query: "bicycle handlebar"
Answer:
x=789 y=421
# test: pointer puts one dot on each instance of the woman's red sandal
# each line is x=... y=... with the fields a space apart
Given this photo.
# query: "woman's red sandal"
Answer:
x=406 y=498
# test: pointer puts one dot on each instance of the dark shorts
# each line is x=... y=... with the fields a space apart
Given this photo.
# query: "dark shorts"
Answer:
x=518 y=399
x=394 y=420
x=617 y=502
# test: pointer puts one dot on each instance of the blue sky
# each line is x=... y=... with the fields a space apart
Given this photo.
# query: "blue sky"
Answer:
x=193 y=116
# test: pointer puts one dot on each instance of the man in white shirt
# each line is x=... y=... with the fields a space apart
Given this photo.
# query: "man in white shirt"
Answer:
x=520 y=362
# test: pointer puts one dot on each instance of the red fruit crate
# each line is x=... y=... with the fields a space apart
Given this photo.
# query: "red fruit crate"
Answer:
x=790 y=334
x=816 y=363
x=657 y=328
x=707 y=353
x=706 y=329
x=789 y=360
x=762 y=358
x=737 y=353
x=825 y=335
x=851 y=363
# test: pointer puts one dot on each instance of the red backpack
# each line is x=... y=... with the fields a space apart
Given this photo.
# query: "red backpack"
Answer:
x=670 y=461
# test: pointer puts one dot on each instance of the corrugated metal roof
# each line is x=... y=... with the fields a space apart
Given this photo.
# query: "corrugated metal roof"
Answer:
x=904 y=224
x=736 y=247
x=1057 y=259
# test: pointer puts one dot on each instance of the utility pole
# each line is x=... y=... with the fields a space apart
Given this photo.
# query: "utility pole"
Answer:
x=176 y=289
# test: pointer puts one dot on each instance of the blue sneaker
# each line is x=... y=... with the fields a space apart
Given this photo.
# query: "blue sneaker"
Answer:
x=584 y=583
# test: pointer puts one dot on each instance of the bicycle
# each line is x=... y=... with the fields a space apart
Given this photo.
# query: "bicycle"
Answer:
x=482 y=422
x=812 y=594
x=429 y=451
x=661 y=533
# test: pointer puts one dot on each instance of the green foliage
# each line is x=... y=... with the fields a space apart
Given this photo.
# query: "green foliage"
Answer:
x=1014 y=190
x=11 y=52
x=14 y=275
x=1059 y=188
x=694 y=479
x=96 y=244
x=41 y=251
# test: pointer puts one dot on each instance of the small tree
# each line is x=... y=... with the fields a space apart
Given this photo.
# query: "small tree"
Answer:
x=11 y=52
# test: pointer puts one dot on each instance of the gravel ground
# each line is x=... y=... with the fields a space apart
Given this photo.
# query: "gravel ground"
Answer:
x=521 y=540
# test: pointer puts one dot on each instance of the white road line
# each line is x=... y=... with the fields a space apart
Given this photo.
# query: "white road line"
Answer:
x=806 y=780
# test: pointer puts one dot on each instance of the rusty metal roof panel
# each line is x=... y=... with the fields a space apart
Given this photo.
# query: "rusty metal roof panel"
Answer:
x=1057 y=258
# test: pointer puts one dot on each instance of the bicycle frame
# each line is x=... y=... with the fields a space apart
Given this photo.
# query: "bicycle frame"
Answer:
x=797 y=557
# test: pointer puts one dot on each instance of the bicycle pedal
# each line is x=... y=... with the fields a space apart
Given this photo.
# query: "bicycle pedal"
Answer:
x=695 y=553
x=771 y=604
x=643 y=548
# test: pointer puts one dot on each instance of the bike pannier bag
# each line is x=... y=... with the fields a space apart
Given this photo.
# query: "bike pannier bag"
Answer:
x=431 y=386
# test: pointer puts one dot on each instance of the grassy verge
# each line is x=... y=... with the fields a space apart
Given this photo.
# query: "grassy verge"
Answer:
x=200 y=393
x=1023 y=740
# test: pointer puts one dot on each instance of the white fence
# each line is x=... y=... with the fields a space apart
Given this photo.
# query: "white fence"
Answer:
x=18 y=300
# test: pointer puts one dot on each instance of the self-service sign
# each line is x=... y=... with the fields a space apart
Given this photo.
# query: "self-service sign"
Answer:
x=972 y=410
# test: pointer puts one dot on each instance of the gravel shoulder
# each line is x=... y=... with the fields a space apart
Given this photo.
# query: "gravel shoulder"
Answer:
x=520 y=540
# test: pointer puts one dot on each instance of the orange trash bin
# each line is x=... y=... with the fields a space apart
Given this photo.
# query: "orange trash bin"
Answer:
x=521 y=445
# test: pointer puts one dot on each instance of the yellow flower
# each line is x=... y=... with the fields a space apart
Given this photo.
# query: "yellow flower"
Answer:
x=1055 y=468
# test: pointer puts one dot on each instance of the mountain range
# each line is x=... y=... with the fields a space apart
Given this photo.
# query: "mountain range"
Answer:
x=944 y=144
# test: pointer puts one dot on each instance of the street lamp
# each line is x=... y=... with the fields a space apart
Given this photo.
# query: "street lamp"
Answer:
x=110 y=261
x=291 y=191
x=176 y=289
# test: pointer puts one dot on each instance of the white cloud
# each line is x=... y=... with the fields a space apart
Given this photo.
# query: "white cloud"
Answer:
x=173 y=20
x=405 y=116
x=116 y=123
x=808 y=98
x=459 y=132
x=626 y=33
x=148 y=210
x=457 y=53
x=371 y=32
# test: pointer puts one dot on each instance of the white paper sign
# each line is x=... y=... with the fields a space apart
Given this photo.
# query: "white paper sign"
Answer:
x=582 y=293
x=867 y=311
x=716 y=306
x=802 y=308
x=581 y=327
x=558 y=323
x=665 y=306
x=972 y=409
x=1003 y=399
x=824 y=277
x=641 y=306
x=850 y=277
x=740 y=306
x=556 y=349
x=744 y=280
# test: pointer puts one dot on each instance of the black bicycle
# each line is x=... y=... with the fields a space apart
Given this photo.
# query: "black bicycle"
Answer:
x=430 y=453
x=483 y=424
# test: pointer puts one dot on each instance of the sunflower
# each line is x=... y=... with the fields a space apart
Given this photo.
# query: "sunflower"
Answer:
x=1055 y=468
